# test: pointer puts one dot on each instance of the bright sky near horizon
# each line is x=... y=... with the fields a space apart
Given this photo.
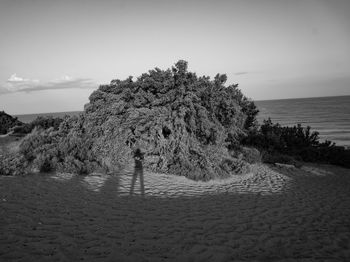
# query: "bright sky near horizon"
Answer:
x=53 y=54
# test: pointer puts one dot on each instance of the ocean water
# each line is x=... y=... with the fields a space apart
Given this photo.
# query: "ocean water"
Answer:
x=330 y=116
x=30 y=117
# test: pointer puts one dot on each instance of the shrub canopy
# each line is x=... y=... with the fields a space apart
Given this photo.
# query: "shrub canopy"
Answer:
x=299 y=142
x=43 y=122
x=184 y=123
x=7 y=122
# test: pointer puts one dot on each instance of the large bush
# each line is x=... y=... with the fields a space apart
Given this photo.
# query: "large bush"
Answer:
x=186 y=125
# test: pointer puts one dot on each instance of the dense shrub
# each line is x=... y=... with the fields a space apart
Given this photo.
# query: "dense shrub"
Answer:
x=251 y=155
x=43 y=122
x=248 y=107
x=7 y=122
x=67 y=149
x=13 y=164
x=186 y=124
x=280 y=143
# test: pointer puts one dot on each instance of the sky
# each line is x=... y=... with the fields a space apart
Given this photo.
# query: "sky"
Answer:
x=53 y=54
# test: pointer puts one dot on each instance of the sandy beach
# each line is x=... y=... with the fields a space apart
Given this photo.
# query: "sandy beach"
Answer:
x=271 y=214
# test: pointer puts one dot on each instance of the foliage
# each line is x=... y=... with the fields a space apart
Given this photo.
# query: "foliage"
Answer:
x=251 y=155
x=276 y=157
x=297 y=141
x=248 y=107
x=7 y=122
x=184 y=123
x=12 y=164
x=43 y=122
x=66 y=149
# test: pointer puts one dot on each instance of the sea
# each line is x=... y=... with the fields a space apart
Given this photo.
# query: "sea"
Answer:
x=330 y=116
x=30 y=117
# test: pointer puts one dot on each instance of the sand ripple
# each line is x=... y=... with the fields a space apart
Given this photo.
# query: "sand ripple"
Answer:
x=271 y=214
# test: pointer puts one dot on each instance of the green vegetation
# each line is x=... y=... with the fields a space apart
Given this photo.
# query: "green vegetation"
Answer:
x=187 y=124
x=67 y=148
x=43 y=122
x=292 y=144
x=12 y=164
x=7 y=122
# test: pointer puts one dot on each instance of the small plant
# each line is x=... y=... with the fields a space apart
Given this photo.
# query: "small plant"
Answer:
x=273 y=158
x=251 y=155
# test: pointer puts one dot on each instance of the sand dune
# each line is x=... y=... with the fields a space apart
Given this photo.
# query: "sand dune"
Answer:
x=270 y=214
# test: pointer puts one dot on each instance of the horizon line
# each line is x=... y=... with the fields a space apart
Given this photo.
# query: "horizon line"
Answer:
x=262 y=100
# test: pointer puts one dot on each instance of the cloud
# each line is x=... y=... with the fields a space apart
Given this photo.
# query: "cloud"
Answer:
x=64 y=83
x=19 y=84
x=15 y=79
x=16 y=84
